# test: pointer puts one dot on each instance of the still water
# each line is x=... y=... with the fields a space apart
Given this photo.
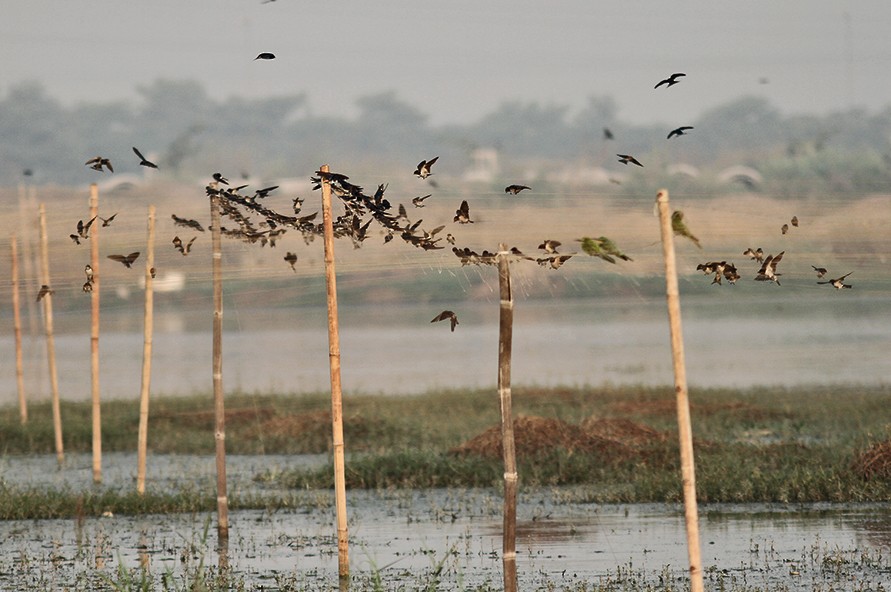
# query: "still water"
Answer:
x=833 y=338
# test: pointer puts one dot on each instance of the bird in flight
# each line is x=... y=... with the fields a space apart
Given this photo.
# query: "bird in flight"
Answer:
x=44 y=290
x=671 y=80
x=446 y=314
x=97 y=162
x=626 y=158
x=291 y=258
x=607 y=134
x=784 y=228
x=679 y=131
x=768 y=271
x=107 y=221
x=462 y=214
x=757 y=255
x=838 y=283
x=680 y=227
x=143 y=160
x=184 y=249
x=554 y=261
x=418 y=201
x=187 y=223
x=549 y=245
x=821 y=271
x=515 y=189
x=423 y=170
x=265 y=56
x=127 y=260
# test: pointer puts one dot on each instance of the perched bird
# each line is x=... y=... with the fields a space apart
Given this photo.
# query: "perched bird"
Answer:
x=671 y=80
x=602 y=247
x=88 y=271
x=626 y=158
x=265 y=56
x=107 y=221
x=768 y=271
x=680 y=227
x=515 y=189
x=757 y=255
x=143 y=161
x=462 y=214
x=549 y=246
x=795 y=221
x=418 y=201
x=44 y=290
x=97 y=162
x=784 y=228
x=821 y=271
x=423 y=170
x=127 y=260
x=87 y=287
x=291 y=258
x=187 y=223
x=184 y=249
x=220 y=179
x=446 y=314
x=607 y=134
x=679 y=131
x=838 y=283
x=554 y=261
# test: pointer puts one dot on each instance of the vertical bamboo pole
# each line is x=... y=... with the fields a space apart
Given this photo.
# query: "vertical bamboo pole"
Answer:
x=17 y=328
x=343 y=561
x=50 y=340
x=142 y=437
x=685 y=430
x=219 y=405
x=505 y=339
x=94 y=336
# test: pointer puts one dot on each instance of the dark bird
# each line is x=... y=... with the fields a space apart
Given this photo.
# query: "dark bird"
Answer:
x=821 y=271
x=187 y=223
x=87 y=287
x=446 y=314
x=680 y=227
x=291 y=258
x=83 y=230
x=107 y=221
x=838 y=283
x=265 y=56
x=260 y=193
x=143 y=161
x=554 y=261
x=795 y=221
x=75 y=238
x=607 y=134
x=418 y=201
x=604 y=248
x=768 y=271
x=626 y=158
x=515 y=189
x=97 y=162
x=671 y=80
x=220 y=179
x=178 y=245
x=127 y=260
x=44 y=290
x=784 y=229
x=757 y=255
x=549 y=246
x=28 y=172
x=462 y=214
x=423 y=170
x=679 y=131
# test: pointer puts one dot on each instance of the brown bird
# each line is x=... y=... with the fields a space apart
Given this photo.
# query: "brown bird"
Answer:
x=462 y=214
x=768 y=271
x=757 y=255
x=418 y=201
x=821 y=271
x=671 y=80
x=626 y=158
x=549 y=246
x=184 y=249
x=291 y=258
x=838 y=283
x=143 y=161
x=187 y=223
x=554 y=261
x=127 y=260
x=107 y=221
x=44 y=290
x=784 y=229
x=515 y=189
x=97 y=162
x=446 y=314
x=795 y=221
x=423 y=170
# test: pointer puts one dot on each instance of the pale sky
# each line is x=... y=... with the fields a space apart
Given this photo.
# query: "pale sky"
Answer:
x=459 y=60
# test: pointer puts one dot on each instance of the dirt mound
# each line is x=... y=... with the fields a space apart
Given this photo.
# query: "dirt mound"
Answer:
x=623 y=431
x=874 y=462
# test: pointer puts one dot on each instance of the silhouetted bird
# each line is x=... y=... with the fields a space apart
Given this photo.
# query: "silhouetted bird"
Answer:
x=671 y=80
x=607 y=134
x=784 y=228
x=423 y=170
x=187 y=223
x=515 y=189
x=821 y=271
x=680 y=227
x=143 y=160
x=184 y=249
x=44 y=290
x=107 y=221
x=679 y=131
x=97 y=162
x=127 y=260
x=291 y=258
x=768 y=271
x=265 y=56
x=446 y=314
x=27 y=172
x=220 y=179
x=838 y=283
x=626 y=158
x=462 y=214
x=260 y=193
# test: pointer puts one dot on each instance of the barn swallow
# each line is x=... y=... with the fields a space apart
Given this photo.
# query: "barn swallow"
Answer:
x=757 y=255
x=450 y=238
x=462 y=214
x=821 y=271
x=603 y=248
x=291 y=258
x=261 y=193
x=75 y=238
x=768 y=271
x=549 y=246
x=418 y=201
x=679 y=131
x=838 y=283
x=97 y=162
x=186 y=223
x=143 y=161
x=265 y=56
x=680 y=227
x=88 y=271
x=219 y=178
x=515 y=189
x=184 y=249
x=83 y=230
x=446 y=314
x=671 y=80
x=423 y=170
x=107 y=221
x=795 y=221
x=44 y=290
x=626 y=158
x=127 y=260
x=784 y=229
x=554 y=261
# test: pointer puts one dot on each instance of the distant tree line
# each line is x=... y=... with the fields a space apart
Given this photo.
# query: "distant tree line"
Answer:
x=191 y=134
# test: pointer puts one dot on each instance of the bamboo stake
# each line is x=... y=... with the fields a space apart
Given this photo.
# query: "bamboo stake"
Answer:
x=94 y=337
x=685 y=430
x=219 y=405
x=142 y=437
x=505 y=339
x=50 y=340
x=17 y=328
x=343 y=562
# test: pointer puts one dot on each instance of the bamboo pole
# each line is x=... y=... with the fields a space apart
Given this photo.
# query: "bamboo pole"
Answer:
x=50 y=340
x=94 y=336
x=685 y=430
x=17 y=328
x=505 y=339
x=219 y=405
x=343 y=562
x=142 y=437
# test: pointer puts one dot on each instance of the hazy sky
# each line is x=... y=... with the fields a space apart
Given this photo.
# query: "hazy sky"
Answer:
x=460 y=59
